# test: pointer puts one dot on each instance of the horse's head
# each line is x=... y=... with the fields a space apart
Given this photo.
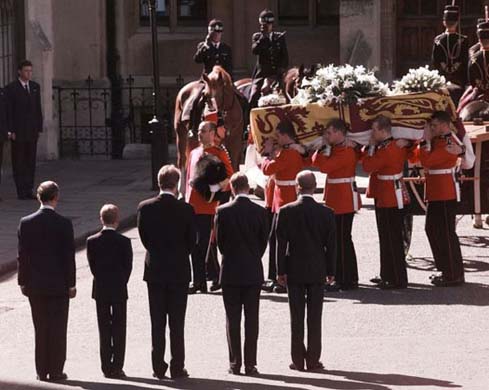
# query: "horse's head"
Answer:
x=217 y=84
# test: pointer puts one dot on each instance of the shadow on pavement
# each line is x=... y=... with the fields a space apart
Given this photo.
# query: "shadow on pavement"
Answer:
x=428 y=264
x=470 y=294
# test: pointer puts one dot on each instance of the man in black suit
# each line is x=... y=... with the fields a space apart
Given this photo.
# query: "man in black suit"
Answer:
x=3 y=127
x=110 y=258
x=242 y=230
x=46 y=265
x=306 y=259
x=167 y=231
x=25 y=124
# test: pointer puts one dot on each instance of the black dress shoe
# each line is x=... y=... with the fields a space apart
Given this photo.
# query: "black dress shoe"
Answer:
x=234 y=371
x=278 y=289
x=332 y=287
x=315 y=367
x=390 y=286
x=251 y=371
x=444 y=282
x=180 y=374
x=376 y=280
x=58 y=377
x=268 y=286
x=348 y=286
x=118 y=374
x=159 y=375
x=292 y=366
x=435 y=276
x=42 y=378
x=193 y=289
x=215 y=286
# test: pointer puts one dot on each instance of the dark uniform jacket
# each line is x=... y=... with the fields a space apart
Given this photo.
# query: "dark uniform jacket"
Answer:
x=110 y=258
x=4 y=122
x=450 y=57
x=167 y=231
x=242 y=235
x=25 y=113
x=478 y=68
x=273 y=58
x=211 y=56
x=46 y=253
x=306 y=241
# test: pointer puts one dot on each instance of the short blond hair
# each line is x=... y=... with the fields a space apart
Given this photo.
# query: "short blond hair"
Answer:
x=109 y=214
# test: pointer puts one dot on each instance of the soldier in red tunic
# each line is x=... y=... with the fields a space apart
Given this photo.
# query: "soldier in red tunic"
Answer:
x=204 y=209
x=339 y=162
x=439 y=153
x=283 y=164
x=385 y=162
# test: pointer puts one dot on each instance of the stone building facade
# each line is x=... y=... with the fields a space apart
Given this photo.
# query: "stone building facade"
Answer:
x=68 y=40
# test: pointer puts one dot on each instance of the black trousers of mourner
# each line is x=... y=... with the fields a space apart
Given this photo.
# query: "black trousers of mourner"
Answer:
x=442 y=236
x=346 y=263
x=112 y=319
x=390 y=222
x=50 y=318
x=167 y=302
x=24 y=165
x=272 y=246
x=205 y=252
x=236 y=300
x=304 y=297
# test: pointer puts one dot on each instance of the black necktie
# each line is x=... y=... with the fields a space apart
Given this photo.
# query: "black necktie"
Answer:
x=26 y=87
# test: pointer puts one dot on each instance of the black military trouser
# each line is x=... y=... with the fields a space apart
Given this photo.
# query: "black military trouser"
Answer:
x=346 y=258
x=302 y=296
x=238 y=299
x=390 y=222
x=24 y=165
x=111 y=319
x=442 y=236
x=50 y=318
x=1 y=159
x=272 y=242
x=167 y=302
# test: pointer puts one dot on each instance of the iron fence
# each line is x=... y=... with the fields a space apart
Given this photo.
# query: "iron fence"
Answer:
x=98 y=121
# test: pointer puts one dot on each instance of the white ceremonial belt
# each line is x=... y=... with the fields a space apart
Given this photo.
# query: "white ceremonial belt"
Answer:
x=353 y=185
x=285 y=183
x=340 y=180
x=390 y=177
x=447 y=171
x=397 y=187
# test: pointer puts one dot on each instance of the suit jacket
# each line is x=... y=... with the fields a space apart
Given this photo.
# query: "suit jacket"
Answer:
x=210 y=56
x=46 y=258
x=167 y=230
x=110 y=258
x=242 y=229
x=306 y=241
x=4 y=121
x=273 y=57
x=25 y=112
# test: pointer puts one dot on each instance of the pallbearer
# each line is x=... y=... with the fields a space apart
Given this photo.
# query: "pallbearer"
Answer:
x=339 y=161
x=439 y=153
x=450 y=52
x=385 y=162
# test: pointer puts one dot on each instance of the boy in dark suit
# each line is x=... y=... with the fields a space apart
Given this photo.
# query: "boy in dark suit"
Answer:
x=242 y=234
x=306 y=258
x=47 y=275
x=110 y=258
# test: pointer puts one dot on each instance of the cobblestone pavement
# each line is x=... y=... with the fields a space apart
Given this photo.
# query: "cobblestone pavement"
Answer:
x=417 y=339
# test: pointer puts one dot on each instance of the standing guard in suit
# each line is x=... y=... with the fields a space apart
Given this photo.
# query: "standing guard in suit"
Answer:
x=205 y=209
x=385 y=161
x=4 y=127
x=282 y=165
x=167 y=231
x=47 y=275
x=272 y=61
x=109 y=256
x=242 y=246
x=25 y=124
x=450 y=53
x=339 y=162
x=439 y=153
x=306 y=258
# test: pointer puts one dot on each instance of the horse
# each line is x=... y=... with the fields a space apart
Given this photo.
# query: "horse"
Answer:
x=218 y=88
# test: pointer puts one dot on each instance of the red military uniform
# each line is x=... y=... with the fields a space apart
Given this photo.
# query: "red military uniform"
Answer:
x=386 y=167
x=340 y=189
x=285 y=167
x=442 y=193
x=341 y=195
x=201 y=206
x=439 y=167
